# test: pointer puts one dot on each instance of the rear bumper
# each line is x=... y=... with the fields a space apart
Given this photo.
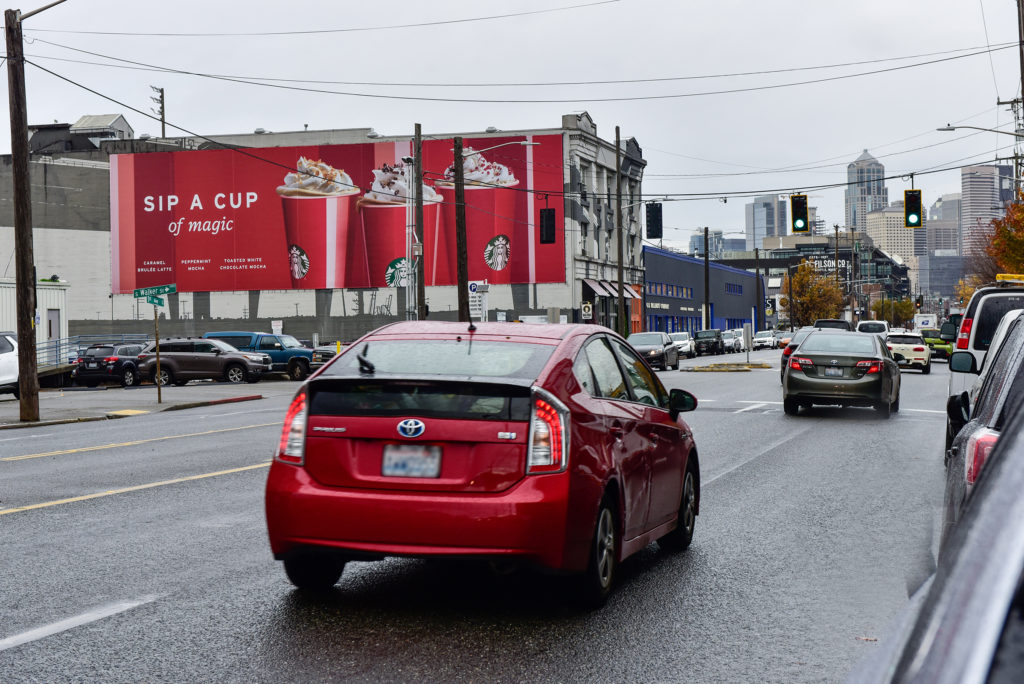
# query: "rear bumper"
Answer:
x=527 y=521
x=865 y=391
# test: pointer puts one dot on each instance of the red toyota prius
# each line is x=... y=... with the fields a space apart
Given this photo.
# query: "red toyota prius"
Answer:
x=555 y=445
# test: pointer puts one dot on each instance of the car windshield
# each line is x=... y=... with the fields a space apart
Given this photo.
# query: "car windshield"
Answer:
x=929 y=332
x=706 y=334
x=289 y=342
x=728 y=335
x=871 y=327
x=904 y=339
x=222 y=345
x=799 y=336
x=99 y=351
x=680 y=337
x=460 y=357
x=764 y=333
x=851 y=344
x=645 y=338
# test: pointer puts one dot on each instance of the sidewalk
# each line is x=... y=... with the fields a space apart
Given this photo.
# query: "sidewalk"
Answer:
x=78 y=404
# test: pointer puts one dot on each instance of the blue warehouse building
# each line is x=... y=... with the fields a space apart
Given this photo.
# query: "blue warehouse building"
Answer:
x=674 y=293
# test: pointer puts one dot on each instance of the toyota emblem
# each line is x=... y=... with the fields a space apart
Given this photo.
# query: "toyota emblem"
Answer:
x=835 y=362
x=411 y=427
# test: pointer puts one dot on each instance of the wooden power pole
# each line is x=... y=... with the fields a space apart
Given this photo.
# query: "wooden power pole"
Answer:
x=623 y=323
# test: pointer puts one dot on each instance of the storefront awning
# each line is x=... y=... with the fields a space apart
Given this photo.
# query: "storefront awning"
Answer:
x=613 y=288
x=598 y=288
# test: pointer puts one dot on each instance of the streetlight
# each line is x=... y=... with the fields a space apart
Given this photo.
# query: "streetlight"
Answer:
x=1016 y=134
x=461 y=249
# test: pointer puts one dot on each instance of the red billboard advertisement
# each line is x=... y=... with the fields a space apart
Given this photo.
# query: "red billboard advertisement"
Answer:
x=332 y=216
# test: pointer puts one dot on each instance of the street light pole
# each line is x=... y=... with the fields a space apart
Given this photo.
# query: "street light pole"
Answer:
x=623 y=326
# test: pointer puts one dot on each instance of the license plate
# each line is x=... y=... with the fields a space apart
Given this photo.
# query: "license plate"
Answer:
x=834 y=372
x=411 y=460
x=90 y=364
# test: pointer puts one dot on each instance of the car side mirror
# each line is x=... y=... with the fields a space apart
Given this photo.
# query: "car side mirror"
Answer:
x=958 y=410
x=680 y=401
x=218 y=352
x=963 y=362
x=948 y=332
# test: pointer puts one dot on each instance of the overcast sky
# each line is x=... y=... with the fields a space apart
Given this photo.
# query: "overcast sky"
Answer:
x=714 y=145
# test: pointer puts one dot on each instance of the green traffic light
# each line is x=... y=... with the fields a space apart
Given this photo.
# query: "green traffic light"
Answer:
x=913 y=219
x=799 y=223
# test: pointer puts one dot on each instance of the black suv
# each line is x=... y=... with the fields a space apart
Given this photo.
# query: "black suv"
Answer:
x=103 y=363
x=709 y=342
x=187 y=359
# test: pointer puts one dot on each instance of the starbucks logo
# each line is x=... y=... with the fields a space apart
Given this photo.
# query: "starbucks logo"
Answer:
x=397 y=273
x=298 y=262
x=498 y=252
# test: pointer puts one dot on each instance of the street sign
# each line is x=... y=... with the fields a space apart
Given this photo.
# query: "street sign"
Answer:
x=156 y=290
x=587 y=311
x=155 y=301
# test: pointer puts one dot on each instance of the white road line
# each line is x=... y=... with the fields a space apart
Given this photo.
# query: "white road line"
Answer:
x=791 y=436
x=923 y=410
x=93 y=615
x=750 y=401
x=11 y=439
x=751 y=407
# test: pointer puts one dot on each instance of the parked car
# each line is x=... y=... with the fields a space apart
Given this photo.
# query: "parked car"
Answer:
x=287 y=354
x=553 y=445
x=324 y=353
x=978 y=324
x=941 y=349
x=844 y=368
x=684 y=343
x=982 y=418
x=911 y=346
x=764 y=339
x=709 y=341
x=876 y=327
x=103 y=363
x=185 y=359
x=738 y=333
x=833 y=323
x=657 y=348
x=730 y=342
x=791 y=343
x=965 y=622
x=9 y=364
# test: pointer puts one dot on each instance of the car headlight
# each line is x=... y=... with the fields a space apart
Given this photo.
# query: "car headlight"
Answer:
x=653 y=352
x=254 y=357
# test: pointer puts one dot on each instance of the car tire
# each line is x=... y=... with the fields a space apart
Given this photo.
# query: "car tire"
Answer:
x=679 y=539
x=235 y=373
x=298 y=371
x=884 y=409
x=129 y=377
x=602 y=566
x=896 y=405
x=313 y=572
x=927 y=368
x=791 y=406
x=675 y=366
x=164 y=377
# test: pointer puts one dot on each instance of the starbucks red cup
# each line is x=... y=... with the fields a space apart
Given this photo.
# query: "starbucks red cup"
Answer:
x=317 y=231
x=384 y=227
x=490 y=223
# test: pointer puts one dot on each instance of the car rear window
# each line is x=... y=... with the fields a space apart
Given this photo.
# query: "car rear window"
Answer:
x=236 y=341
x=99 y=351
x=990 y=312
x=871 y=327
x=680 y=337
x=707 y=334
x=464 y=357
x=904 y=339
x=827 y=323
x=457 y=400
x=649 y=338
x=851 y=344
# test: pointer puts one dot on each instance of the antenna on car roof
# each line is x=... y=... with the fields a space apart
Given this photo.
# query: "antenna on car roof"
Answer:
x=471 y=328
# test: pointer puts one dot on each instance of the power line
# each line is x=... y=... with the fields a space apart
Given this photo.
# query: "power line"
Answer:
x=441 y=22
x=422 y=98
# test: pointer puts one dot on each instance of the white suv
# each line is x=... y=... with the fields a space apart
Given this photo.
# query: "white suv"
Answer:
x=9 y=363
x=876 y=327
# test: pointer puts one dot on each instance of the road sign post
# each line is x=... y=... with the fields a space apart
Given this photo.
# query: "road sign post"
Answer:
x=152 y=296
x=156 y=290
x=155 y=301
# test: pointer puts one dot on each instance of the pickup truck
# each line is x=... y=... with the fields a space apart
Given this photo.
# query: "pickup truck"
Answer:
x=287 y=354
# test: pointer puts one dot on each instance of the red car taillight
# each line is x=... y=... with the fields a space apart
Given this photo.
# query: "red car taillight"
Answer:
x=292 y=449
x=979 y=446
x=918 y=348
x=870 y=367
x=787 y=351
x=800 y=363
x=548 y=448
x=965 y=333
x=110 y=359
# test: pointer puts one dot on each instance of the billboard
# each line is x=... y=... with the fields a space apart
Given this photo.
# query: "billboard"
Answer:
x=332 y=216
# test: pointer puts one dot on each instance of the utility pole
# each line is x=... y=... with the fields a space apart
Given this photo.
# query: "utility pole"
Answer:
x=836 y=226
x=758 y=299
x=421 y=295
x=160 y=111
x=707 y=285
x=461 y=253
x=623 y=324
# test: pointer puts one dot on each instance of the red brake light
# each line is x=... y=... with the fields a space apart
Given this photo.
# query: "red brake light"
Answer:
x=965 y=333
x=870 y=367
x=979 y=446
x=80 y=359
x=291 y=450
x=800 y=362
x=549 y=438
x=788 y=350
x=918 y=348
x=110 y=359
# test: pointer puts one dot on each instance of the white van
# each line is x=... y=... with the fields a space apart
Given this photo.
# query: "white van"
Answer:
x=876 y=327
x=9 y=363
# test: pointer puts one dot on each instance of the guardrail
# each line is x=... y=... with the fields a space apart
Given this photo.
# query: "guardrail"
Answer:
x=68 y=349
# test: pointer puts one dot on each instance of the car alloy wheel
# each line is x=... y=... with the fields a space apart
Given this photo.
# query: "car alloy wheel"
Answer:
x=163 y=378
x=234 y=373
x=128 y=377
x=298 y=371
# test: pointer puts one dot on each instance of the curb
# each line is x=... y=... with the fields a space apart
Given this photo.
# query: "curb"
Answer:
x=725 y=367
x=114 y=416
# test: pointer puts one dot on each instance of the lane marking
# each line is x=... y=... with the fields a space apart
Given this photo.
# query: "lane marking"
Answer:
x=100 y=447
x=749 y=401
x=85 y=618
x=752 y=407
x=764 y=451
x=136 y=488
x=11 y=439
x=922 y=410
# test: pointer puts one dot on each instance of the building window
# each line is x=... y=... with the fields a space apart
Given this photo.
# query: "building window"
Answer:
x=733 y=289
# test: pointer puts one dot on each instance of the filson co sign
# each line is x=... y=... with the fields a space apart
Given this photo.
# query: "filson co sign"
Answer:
x=331 y=216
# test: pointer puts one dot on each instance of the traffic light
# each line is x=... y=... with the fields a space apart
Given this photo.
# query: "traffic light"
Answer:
x=912 y=208
x=654 y=221
x=798 y=211
x=547 y=226
x=919 y=302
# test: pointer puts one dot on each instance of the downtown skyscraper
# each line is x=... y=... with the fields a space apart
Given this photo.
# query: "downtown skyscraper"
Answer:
x=985 y=191
x=865 y=191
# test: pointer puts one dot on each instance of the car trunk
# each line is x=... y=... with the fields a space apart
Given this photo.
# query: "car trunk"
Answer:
x=834 y=366
x=423 y=435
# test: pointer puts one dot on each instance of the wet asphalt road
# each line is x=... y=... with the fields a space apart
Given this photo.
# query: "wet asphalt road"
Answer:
x=812 y=530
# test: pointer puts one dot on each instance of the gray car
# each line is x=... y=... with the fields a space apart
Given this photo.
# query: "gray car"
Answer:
x=185 y=359
x=657 y=349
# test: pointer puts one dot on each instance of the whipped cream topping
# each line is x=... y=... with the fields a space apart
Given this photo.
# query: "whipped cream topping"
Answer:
x=316 y=179
x=391 y=183
x=476 y=169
